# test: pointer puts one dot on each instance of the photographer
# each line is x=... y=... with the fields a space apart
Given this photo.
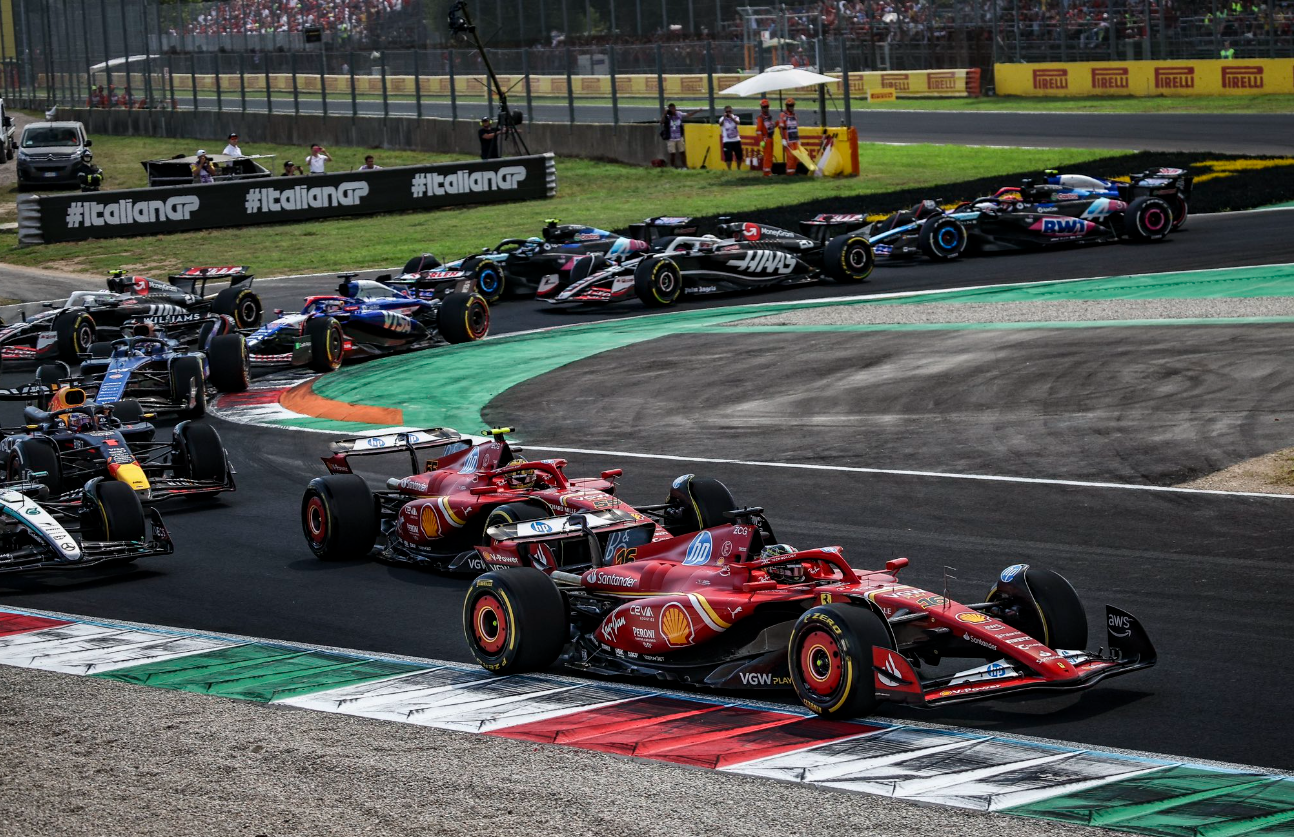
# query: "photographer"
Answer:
x=204 y=171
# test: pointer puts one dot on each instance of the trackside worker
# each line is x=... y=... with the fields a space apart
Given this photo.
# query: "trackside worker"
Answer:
x=789 y=124
x=88 y=175
x=764 y=125
x=1228 y=51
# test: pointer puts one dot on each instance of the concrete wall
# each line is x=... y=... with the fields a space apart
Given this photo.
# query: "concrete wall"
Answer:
x=633 y=144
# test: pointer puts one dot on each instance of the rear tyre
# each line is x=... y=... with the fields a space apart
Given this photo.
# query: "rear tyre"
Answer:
x=118 y=515
x=848 y=259
x=515 y=513
x=101 y=349
x=241 y=303
x=187 y=380
x=464 y=318
x=515 y=621
x=658 y=282
x=490 y=280
x=230 y=367
x=942 y=238
x=697 y=503
x=214 y=328
x=128 y=411
x=75 y=335
x=1147 y=219
x=830 y=659
x=37 y=456
x=327 y=343
x=200 y=454
x=339 y=517
x=52 y=373
x=1181 y=210
x=1058 y=620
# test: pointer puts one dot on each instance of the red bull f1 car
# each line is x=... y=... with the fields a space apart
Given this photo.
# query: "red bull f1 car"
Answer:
x=725 y=606
x=68 y=332
x=745 y=256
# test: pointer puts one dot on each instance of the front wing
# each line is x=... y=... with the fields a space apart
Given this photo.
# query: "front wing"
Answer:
x=93 y=553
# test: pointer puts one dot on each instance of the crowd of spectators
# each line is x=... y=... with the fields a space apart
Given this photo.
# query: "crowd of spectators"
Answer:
x=343 y=18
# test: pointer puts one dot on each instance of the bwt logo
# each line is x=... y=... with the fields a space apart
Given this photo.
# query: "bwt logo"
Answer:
x=1060 y=226
x=1174 y=78
x=1057 y=79
x=269 y=199
x=1110 y=78
x=942 y=81
x=126 y=211
x=896 y=81
x=1242 y=78
x=466 y=182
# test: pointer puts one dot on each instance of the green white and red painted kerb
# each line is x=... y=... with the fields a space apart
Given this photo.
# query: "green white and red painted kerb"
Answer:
x=941 y=766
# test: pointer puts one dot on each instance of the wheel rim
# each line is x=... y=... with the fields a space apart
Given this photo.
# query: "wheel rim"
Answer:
x=478 y=320
x=316 y=521
x=857 y=258
x=334 y=346
x=949 y=238
x=666 y=283
x=247 y=313
x=821 y=665
x=488 y=282
x=84 y=337
x=1154 y=219
x=489 y=625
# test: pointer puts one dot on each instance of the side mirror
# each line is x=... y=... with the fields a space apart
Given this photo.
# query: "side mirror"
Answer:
x=47 y=305
x=89 y=142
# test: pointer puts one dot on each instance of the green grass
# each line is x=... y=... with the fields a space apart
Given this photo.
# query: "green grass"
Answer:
x=606 y=194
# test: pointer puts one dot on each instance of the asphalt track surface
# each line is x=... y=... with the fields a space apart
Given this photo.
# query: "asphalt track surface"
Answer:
x=1222 y=133
x=1208 y=574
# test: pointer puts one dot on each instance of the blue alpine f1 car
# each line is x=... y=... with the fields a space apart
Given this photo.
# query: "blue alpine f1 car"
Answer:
x=368 y=319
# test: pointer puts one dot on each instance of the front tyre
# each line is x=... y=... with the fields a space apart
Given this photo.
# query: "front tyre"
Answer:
x=658 y=282
x=489 y=280
x=1147 y=219
x=830 y=659
x=327 y=344
x=230 y=366
x=1056 y=618
x=515 y=621
x=113 y=512
x=189 y=383
x=942 y=238
x=199 y=453
x=75 y=335
x=464 y=317
x=339 y=517
x=848 y=259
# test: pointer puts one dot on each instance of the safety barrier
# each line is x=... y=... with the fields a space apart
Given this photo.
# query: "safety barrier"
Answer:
x=1245 y=77
x=704 y=148
x=913 y=83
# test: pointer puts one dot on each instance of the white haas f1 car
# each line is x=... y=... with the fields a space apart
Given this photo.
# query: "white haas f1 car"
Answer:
x=749 y=256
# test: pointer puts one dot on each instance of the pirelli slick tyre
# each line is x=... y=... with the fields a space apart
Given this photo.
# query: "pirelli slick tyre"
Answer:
x=848 y=258
x=198 y=452
x=230 y=365
x=39 y=457
x=1056 y=617
x=1147 y=219
x=241 y=303
x=75 y=335
x=187 y=379
x=464 y=317
x=339 y=517
x=830 y=659
x=327 y=344
x=111 y=511
x=942 y=238
x=489 y=280
x=515 y=621
x=658 y=282
x=697 y=503
x=101 y=349
x=128 y=411
x=1181 y=210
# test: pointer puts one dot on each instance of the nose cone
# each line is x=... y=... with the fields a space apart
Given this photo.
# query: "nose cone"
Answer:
x=132 y=475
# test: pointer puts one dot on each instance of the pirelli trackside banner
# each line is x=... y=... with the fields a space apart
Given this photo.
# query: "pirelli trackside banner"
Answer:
x=1241 y=77
x=75 y=217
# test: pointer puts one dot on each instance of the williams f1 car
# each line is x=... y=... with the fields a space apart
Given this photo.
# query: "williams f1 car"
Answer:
x=367 y=319
x=73 y=440
x=750 y=256
x=462 y=489
x=518 y=266
x=727 y=607
x=107 y=525
x=66 y=333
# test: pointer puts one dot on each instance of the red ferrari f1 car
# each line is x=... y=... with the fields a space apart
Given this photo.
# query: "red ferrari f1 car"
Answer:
x=457 y=500
x=725 y=606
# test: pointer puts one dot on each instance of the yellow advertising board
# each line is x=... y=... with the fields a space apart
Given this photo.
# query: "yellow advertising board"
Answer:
x=704 y=147
x=1236 y=77
x=881 y=95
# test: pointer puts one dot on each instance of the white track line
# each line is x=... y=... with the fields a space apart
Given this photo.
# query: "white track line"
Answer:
x=804 y=466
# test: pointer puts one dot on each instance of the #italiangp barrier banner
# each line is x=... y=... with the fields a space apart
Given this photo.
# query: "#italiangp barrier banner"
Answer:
x=44 y=219
x=1238 y=77
x=913 y=83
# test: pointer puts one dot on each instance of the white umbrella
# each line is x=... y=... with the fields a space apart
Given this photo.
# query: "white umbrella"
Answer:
x=783 y=77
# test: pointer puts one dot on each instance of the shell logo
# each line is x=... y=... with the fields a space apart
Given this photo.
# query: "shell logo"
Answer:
x=675 y=625
x=971 y=616
x=429 y=522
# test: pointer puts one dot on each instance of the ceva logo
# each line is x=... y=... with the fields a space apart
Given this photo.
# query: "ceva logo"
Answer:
x=1242 y=78
x=1053 y=79
x=1174 y=78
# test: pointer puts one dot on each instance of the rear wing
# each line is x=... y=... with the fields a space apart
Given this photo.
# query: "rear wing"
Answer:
x=198 y=277
x=27 y=392
x=390 y=442
x=663 y=227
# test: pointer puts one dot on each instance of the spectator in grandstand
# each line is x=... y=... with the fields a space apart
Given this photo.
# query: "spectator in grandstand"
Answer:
x=204 y=171
x=489 y=137
x=369 y=165
x=317 y=159
x=1228 y=52
x=290 y=169
x=232 y=149
x=730 y=136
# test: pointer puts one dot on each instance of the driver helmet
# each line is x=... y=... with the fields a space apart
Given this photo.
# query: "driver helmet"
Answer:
x=783 y=573
x=143 y=329
x=521 y=479
x=87 y=155
x=78 y=422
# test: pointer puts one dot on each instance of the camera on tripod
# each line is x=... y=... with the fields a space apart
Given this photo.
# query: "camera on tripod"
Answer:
x=508 y=121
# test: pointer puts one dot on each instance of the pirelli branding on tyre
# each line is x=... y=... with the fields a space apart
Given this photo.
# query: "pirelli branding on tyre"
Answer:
x=1147 y=78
